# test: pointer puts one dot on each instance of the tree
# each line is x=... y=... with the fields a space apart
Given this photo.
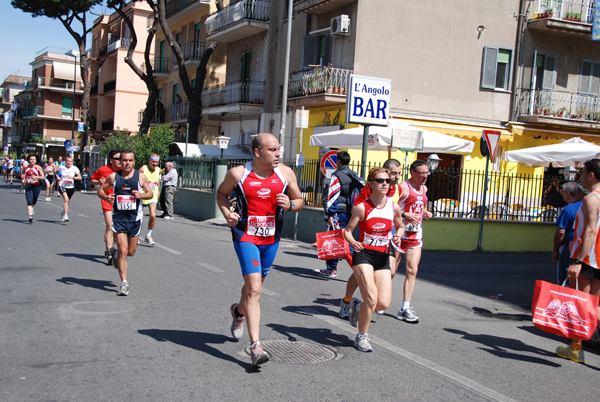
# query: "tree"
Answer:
x=194 y=94
x=69 y=13
x=156 y=142
x=148 y=75
x=121 y=140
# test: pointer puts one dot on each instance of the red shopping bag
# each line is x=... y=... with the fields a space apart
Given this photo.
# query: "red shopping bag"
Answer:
x=332 y=244
x=564 y=311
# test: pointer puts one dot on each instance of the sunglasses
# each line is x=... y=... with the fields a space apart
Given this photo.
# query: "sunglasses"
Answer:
x=380 y=180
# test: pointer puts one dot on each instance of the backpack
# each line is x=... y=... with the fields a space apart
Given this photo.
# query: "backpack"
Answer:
x=350 y=186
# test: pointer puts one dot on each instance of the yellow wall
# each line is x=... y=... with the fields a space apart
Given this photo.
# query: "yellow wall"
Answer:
x=463 y=235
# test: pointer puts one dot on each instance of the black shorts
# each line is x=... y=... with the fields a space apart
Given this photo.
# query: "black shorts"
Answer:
x=376 y=259
x=590 y=272
x=68 y=191
x=50 y=178
x=132 y=229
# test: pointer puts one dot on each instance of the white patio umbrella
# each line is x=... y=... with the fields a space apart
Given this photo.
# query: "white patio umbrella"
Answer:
x=380 y=138
x=567 y=153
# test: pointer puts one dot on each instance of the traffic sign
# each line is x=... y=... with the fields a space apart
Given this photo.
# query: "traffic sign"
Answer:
x=329 y=161
x=68 y=143
x=80 y=126
x=491 y=139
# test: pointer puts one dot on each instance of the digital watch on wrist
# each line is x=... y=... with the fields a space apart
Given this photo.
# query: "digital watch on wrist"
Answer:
x=575 y=261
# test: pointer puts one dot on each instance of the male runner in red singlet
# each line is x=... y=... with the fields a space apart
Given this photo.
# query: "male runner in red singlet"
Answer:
x=584 y=265
x=264 y=189
x=98 y=179
x=413 y=201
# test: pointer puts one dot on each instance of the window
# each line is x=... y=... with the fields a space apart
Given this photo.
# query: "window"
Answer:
x=497 y=68
x=175 y=93
x=589 y=80
x=67 y=105
x=544 y=73
x=197 y=32
x=316 y=51
x=178 y=38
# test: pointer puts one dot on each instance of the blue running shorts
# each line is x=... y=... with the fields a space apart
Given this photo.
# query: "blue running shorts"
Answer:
x=132 y=229
x=255 y=259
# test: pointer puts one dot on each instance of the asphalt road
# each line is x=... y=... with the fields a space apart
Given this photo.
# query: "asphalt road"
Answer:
x=66 y=336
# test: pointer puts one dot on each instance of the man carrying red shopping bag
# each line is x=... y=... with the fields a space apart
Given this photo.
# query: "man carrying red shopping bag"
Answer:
x=584 y=265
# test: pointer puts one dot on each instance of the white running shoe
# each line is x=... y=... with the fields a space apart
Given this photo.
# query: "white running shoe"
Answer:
x=408 y=315
x=148 y=239
x=380 y=312
x=354 y=309
x=65 y=218
x=123 y=289
x=344 y=309
x=237 y=325
x=361 y=342
x=48 y=199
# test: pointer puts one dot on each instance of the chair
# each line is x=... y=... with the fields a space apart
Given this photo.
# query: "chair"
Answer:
x=476 y=212
x=448 y=206
x=518 y=212
x=549 y=214
x=497 y=211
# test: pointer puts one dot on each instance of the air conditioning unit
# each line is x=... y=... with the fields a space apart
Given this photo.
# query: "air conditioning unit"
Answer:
x=340 y=25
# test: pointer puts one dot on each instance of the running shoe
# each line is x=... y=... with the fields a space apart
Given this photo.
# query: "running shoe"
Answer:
x=108 y=256
x=169 y=218
x=58 y=194
x=30 y=219
x=259 y=356
x=380 y=312
x=361 y=342
x=568 y=353
x=123 y=289
x=408 y=315
x=148 y=239
x=115 y=257
x=344 y=309
x=354 y=309
x=65 y=218
x=48 y=199
x=329 y=273
x=237 y=325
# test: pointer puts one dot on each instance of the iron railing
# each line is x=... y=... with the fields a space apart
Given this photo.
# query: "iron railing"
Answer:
x=191 y=51
x=452 y=193
x=179 y=111
x=567 y=10
x=321 y=79
x=234 y=92
x=559 y=104
x=160 y=65
x=256 y=10
x=173 y=7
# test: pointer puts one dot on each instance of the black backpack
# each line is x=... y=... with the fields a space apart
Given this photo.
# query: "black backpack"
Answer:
x=350 y=186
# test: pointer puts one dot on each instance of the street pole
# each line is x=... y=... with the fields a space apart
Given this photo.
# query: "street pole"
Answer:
x=73 y=104
x=482 y=209
x=286 y=73
x=365 y=144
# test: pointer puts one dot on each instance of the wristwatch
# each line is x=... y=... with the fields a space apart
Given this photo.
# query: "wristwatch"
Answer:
x=292 y=205
x=575 y=261
x=404 y=214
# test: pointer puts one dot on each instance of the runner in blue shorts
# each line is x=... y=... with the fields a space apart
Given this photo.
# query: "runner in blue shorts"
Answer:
x=264 y=189
x=129 y=188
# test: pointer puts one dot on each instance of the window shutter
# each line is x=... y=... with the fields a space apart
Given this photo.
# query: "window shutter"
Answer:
x=549 y=72
x=584 y=83
x=309 y=52
x=595 y=79
x=488 y=71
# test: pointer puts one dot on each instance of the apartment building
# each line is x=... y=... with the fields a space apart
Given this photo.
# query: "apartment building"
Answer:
x=47 y=112
x=12 y=85
x=117 y=93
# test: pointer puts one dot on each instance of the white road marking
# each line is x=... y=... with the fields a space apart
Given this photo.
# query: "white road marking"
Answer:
x=210 y=267
x=269 y=292
x=85 y=216
x=170 y=250
x=464 y=381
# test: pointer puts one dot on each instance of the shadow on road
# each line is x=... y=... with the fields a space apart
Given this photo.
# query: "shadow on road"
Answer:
x=304 y=272
x=86 y=257
x=89 y=283
x=200 y=341
x=323 y=336
x=505 y=347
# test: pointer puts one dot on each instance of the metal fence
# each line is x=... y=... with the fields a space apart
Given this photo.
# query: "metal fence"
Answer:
x=452 y=193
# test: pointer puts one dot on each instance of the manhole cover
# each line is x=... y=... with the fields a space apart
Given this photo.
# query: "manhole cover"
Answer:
x=297 y=352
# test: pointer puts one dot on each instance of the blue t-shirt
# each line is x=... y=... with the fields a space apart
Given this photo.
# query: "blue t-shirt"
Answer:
x=566 y=220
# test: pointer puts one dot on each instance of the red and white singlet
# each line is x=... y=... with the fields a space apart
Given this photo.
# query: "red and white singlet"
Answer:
x=376 y=228
x=414 y=203
x=30 y=176
x=593 y=257
x=261 y=219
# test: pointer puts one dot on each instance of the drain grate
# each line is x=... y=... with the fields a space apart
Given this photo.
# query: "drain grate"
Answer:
x=298 y=352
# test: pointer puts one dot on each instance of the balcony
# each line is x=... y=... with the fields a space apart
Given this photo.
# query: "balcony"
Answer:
x=320 y=86
x=57 y=85
x=556 y=107
x=54 y=112
x=179 y=111
x=14 y=139
x=238 y=21
x=108 y=125
x=562 y=16
x=319 y=6
x=239 y=97
x=118 y=43
x=160 y=67
x=174 y=7
x=192 y=53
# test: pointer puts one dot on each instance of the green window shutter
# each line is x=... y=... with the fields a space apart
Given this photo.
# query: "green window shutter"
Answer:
x=67 y=104
x=488 y=68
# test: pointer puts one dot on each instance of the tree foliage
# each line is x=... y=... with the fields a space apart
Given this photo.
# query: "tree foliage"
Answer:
x=157 y=141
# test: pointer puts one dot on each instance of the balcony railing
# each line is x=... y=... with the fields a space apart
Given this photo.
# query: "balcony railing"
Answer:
x=234 y=92
x=110 y=86
x=179 y=111
x=55 y=111
x=172 y=7
x=159 y=116
x=55 y=83
x=120 y=43
x=160 y=65
x=319 y=80
x=567 y=10
x=560 y=105
x=191 y=51
x=256 y=10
